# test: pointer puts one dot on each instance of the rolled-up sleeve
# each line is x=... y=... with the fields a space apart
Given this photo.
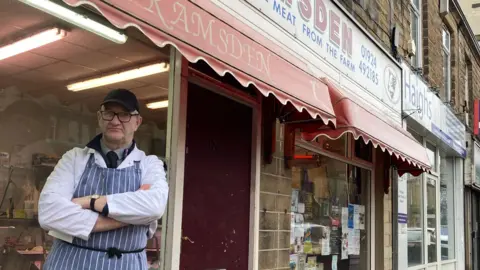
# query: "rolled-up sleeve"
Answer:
x=56 y=211
x=144 y=206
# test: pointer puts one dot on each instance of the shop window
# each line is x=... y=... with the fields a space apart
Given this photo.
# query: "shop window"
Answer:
x=415 y=220
x=330 y=213
x=363 y=151
x=337 y=146
x=41 y=119
x=432 y=156
x=416 y=136
x=476 y=168
x=432 y=233
x=447 y=216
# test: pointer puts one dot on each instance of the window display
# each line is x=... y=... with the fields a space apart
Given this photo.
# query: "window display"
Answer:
x=42 y=118
x=329 y=214
x=431 y=220
x=415 y=220
x=447 y=217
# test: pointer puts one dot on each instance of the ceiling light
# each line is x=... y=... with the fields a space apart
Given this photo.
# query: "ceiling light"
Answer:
x=77 y=19
x=32 y=42
x=119 y=77
x=157 y=105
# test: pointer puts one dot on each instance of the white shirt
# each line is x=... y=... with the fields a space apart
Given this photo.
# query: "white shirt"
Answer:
x=57 y=212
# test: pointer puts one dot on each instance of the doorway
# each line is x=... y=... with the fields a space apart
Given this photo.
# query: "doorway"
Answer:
x=475 y=230
x=216 y=199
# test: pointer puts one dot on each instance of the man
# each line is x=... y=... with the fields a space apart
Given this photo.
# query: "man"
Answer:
x=102 y=202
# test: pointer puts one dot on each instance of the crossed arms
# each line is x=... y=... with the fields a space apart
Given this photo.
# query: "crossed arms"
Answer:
x=58 y=212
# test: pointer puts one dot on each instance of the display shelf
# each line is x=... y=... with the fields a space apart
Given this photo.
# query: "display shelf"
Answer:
x=7 y=222
x=32 y=255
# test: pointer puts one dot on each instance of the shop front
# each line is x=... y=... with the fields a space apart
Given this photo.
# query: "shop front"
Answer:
x=269 y=165
x=201 y=115
x=338 y=181
x=472 y=196
x=432 y=235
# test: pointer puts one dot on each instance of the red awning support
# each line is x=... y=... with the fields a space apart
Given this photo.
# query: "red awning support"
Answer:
x=200 y=36
x=360 y=120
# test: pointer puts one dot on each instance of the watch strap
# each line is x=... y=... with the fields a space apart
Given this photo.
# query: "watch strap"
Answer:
x=92 y=204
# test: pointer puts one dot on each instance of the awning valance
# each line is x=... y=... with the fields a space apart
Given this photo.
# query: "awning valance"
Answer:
x=200 y=36
x=361 y=120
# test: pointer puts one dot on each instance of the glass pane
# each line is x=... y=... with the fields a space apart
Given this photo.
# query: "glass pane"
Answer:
x=446 y=75
x=432 y=157
x=431 y=220
x=416 y=3
x=414 y=27
x=41 y=120
x=447 y=218
x=415 y=135
x=446 y=39
x=415 y=220
x=330 y=206
x=476 y=155
x=363 y=151
x=338 y=146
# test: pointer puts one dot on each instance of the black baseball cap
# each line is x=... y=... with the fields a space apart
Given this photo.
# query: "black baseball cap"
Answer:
x=123 y=97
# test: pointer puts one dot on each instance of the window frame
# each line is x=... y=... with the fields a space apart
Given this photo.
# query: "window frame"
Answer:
x=350 y=160
x=468 y=89
x=447 y=73
x=450 y=208
x=416 y=60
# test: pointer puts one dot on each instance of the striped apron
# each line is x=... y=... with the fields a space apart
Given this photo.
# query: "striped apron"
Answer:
x=103 y=181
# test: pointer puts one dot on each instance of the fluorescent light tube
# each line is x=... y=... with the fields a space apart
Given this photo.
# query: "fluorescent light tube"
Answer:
x=77 y=19
x=119 y=77
x=32 y=42
x=157 y=105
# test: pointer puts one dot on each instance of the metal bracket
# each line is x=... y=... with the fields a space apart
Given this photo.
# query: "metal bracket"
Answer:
x=417 y=110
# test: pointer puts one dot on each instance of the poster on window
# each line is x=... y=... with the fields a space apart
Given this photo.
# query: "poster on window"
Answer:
x=344 y=219
x=351 y=211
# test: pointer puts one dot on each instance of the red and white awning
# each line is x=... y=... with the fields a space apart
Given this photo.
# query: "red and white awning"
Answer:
x=360 y=119
x=200 y=36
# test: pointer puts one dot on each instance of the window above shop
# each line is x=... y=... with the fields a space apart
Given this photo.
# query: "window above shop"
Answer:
x=446 y=65
x=416 y=32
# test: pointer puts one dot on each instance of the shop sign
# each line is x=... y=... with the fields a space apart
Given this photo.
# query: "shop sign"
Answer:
x=333 y=37
x=188 y=25
x=426 y=108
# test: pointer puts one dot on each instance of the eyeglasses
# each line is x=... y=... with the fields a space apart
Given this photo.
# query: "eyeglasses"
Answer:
x=123 y=117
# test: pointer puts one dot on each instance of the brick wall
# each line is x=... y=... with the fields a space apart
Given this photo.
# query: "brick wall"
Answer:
x=374 y=16
x=275 y=197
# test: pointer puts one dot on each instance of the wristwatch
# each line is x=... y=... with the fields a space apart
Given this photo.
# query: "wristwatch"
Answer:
x=104 y=211
x=93 y=198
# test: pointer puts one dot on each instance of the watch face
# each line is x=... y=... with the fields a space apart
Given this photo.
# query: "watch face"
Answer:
x=96 y=196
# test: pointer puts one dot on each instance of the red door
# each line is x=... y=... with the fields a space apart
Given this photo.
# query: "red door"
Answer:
x=216 y=204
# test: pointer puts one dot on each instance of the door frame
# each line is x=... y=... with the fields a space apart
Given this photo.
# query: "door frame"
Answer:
x=183 y=75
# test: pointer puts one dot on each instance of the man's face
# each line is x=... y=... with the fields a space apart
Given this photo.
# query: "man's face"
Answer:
x=118 y=130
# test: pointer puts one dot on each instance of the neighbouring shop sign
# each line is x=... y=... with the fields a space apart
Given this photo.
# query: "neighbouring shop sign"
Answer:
x=336 y=39
x=421 y=104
